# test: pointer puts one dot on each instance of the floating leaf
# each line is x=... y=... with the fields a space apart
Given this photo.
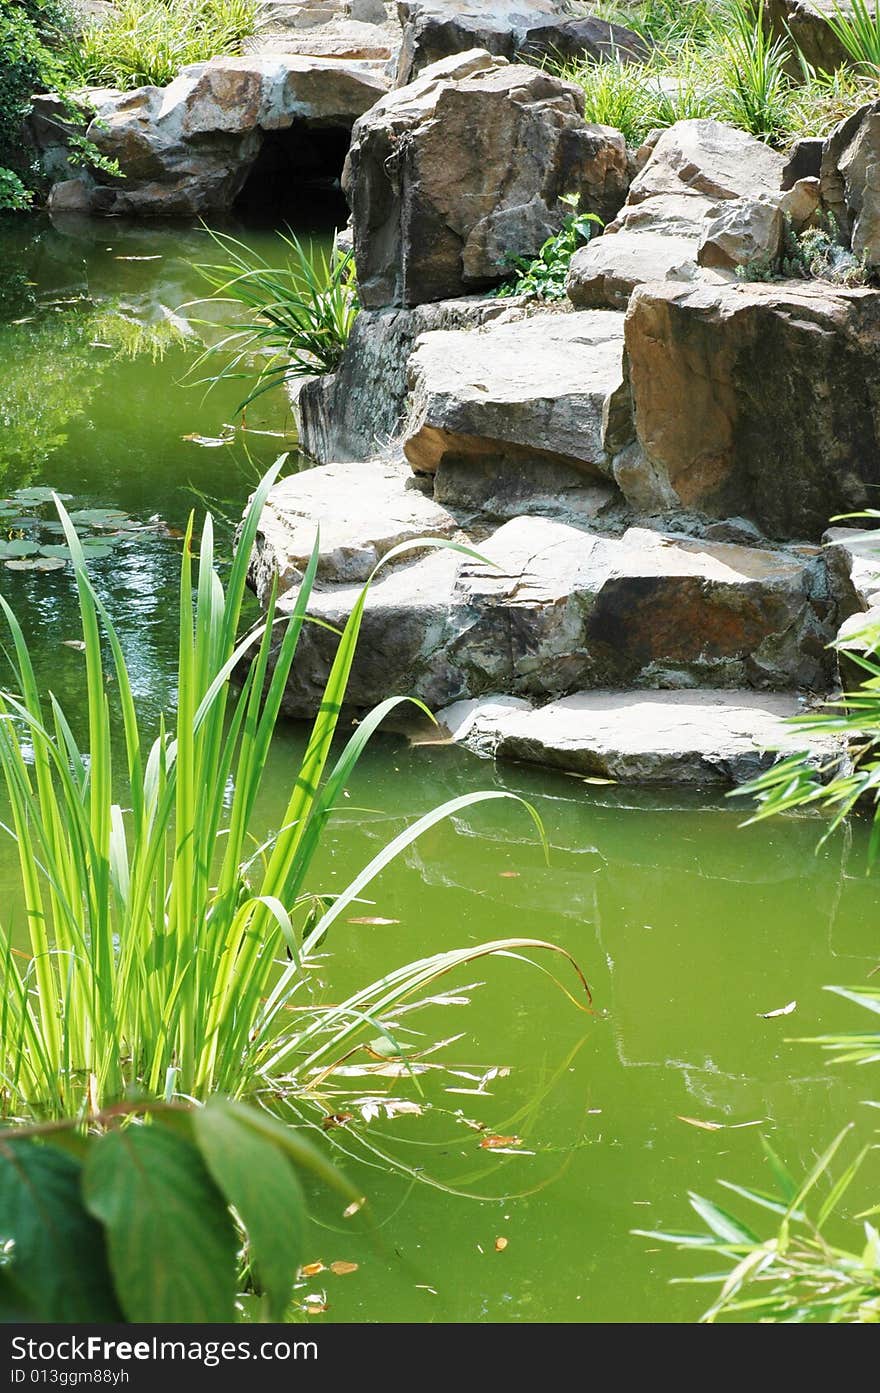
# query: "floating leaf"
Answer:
x=354 y=1207
x=311 y=1269
x=493 y=1142
x=698 y=1122
x=342 y=1269
x=367 y=919
x=500 y=1245
x=17 y=548
x=782 y=1011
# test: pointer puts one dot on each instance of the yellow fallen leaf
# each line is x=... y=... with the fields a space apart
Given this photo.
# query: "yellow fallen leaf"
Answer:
x=492 y=1142
x=500 y=1245
x=697 y=1122
x=311 y=1269
x=354 y=1207
x=509 y=875
x=342 y=1269
x=367 y=919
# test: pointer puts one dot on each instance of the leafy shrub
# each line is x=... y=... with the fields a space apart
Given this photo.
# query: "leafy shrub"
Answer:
x=147 y=42
x=545 y=275
x=302 y=311
x=26 y=66
x=134 y=1220
x=166 y=945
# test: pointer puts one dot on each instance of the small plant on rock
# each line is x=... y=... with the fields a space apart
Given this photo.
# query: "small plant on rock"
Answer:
x=544 y=276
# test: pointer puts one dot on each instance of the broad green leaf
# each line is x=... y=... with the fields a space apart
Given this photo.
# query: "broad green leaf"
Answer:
x=170 y=1236
x=258 y=1179
x=58 y=1262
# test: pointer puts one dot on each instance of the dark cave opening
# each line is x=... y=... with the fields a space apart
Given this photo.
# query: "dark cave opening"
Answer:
x=295 y=178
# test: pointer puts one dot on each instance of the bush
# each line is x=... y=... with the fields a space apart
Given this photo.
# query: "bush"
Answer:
x=147 y=42
x=26 y=66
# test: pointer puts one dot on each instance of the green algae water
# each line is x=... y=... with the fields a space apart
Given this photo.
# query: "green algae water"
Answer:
x=689 y=929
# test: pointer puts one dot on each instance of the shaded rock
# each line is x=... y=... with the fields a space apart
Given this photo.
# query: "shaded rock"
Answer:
x=188 y=147
x=804 y=160
x=450 y=176
x=781 y=394
x=806 y=23
x=359 y=410
x=691 y=172
x=518 y=410
x=850 y=181
x=700 y=738
x=530 y=29
x=554 y=609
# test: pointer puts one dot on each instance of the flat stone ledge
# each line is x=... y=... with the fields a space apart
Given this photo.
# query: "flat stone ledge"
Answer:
x=700 y=738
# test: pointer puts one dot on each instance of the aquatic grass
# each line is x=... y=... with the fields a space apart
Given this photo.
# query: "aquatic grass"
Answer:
x=164 y=947
x=147 y=42
x=301 y=311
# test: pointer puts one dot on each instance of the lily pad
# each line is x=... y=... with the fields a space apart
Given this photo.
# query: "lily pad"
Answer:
x=57 y=552
x=16 y=548
x=35 y=563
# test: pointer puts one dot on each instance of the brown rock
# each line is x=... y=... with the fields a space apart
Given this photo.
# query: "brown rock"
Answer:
x=756 y=400
x=448 y=177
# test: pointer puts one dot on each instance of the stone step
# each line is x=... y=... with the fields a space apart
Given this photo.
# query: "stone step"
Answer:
x=550 y=608
x=700 y=738
x=531 y=408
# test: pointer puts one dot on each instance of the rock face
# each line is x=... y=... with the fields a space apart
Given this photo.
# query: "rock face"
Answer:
x=449 y=176
x=699 y=738
x=188 y=148
x=435 y=29
x=554 y=609
x=695 y=169
x=756 y=400
x=850 y=181
x=521 y=415
x=359 y=410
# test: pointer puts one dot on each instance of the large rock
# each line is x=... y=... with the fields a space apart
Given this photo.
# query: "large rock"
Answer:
x=450 y=176
x=189 y=147
x=552 y=610
x=850 y=181
x=532 y=29
x=693 y=171
x=703 y=739
x=756 y=400
x=359 y=410
x=519 y=415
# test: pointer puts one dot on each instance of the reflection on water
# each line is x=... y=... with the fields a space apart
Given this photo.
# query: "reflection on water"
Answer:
x=687 y=927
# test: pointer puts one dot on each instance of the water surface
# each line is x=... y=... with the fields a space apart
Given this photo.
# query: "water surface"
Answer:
x=687 y=927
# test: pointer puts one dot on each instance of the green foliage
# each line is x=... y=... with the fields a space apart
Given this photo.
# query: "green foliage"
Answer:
x=544 y=276
x=158 y=928
x=715 y=59
x=300 y=313
x=857 y=27
x=144 y=1217
x=147 y=42
x=795 y=1275
x=26 y=66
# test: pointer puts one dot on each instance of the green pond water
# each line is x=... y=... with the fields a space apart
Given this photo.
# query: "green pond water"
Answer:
x=687 y=927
